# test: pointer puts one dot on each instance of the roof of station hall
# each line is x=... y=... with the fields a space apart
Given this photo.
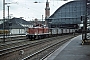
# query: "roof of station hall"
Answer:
x=70 y=12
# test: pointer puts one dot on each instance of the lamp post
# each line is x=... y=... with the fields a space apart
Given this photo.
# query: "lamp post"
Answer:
x=85 y=25
x=8 y=11
x=3 y=20
x=4 y=3
x=43 y=23
x=9 y=22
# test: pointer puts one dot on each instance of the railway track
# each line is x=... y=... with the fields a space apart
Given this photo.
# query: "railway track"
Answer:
x=44 y=52
x=30 y=48
x=12 y=38
x=11 y=47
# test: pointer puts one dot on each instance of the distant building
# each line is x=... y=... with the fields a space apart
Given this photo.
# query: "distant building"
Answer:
x=16 y=25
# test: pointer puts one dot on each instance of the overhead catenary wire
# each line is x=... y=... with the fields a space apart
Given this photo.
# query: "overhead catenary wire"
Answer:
x=31 y=8
x=27 y=8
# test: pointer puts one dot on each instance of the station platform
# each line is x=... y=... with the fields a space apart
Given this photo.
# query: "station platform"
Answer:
x=72 y=50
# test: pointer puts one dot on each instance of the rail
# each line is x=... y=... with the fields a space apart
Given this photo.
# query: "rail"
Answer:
x=44 y=49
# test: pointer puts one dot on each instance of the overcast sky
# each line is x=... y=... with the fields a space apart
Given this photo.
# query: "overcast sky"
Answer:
x=28 y=9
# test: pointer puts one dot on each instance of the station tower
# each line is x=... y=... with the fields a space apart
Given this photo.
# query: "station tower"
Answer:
x=47 y=10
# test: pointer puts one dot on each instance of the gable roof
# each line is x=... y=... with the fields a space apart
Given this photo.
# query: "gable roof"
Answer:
x=21 y=21
x=16 y=23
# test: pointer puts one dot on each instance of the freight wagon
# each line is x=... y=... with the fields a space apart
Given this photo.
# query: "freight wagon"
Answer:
x=44 y=32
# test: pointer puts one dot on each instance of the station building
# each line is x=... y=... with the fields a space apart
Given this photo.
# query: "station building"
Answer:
x=68 y=15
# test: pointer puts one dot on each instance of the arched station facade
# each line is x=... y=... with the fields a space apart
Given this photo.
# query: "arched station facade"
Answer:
x=68 y=15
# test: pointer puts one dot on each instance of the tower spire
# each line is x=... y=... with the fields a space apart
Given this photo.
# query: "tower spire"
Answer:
x=47 y=0
x=47 y=10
